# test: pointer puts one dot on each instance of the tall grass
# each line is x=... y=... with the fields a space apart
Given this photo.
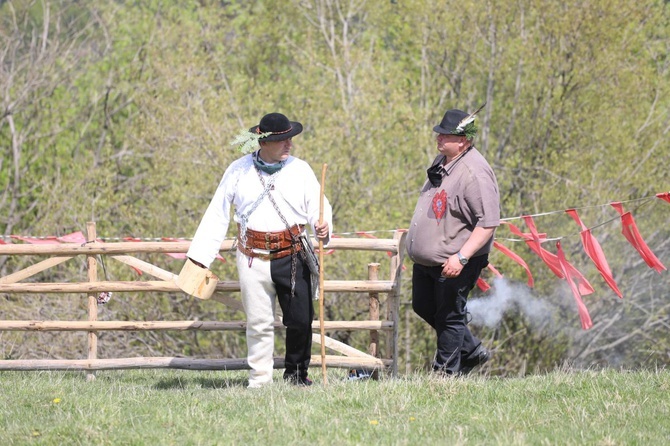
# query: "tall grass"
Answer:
x=157 y=407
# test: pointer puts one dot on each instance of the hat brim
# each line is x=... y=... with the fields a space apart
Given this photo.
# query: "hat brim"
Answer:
x=443 y=131
x=296 y=128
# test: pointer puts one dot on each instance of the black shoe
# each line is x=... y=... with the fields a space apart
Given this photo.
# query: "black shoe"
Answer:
x=480 y=356
x=298 y=380
x=356 y=374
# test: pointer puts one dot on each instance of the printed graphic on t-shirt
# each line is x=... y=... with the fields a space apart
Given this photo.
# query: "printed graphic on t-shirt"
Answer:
x=440 y=205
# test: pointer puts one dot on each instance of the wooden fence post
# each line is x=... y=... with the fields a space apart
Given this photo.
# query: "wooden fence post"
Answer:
x=92 y=265
x=373 y=348
x=393 y=300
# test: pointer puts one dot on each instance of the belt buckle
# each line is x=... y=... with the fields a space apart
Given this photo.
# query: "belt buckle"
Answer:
x=267 y=241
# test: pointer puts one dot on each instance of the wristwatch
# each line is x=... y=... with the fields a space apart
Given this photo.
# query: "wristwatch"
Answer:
x=462 y=258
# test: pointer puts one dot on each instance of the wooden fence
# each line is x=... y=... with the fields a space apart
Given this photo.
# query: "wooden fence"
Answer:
x=348 y=357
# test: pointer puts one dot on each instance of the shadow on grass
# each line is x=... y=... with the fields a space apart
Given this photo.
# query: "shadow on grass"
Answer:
x=205 y=383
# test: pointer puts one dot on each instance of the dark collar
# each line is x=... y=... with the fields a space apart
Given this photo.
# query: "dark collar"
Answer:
x=437 y=170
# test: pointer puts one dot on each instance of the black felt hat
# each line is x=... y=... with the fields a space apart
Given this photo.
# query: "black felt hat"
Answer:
x=277 y=124
x=449 y=124
x=458 y=122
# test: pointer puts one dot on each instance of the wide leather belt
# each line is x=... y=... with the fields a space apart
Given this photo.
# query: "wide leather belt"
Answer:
x=279 y=244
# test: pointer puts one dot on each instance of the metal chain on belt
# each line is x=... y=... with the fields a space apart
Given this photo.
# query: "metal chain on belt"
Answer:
x=294 y=258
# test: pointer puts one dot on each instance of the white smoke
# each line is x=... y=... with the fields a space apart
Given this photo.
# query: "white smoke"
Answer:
x=507 y=297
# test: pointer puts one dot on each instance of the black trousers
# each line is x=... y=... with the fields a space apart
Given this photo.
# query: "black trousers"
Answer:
x=298 y=312
x=441 y=302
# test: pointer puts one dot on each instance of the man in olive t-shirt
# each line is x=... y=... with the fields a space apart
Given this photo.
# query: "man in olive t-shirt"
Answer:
x=449 y=240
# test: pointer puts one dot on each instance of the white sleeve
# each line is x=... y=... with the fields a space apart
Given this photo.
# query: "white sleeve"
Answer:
x=214 y=224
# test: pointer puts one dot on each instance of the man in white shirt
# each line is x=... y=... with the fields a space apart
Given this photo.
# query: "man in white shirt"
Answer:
x=275 y=196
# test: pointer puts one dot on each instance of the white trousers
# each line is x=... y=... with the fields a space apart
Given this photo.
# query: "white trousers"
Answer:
x=258 y=298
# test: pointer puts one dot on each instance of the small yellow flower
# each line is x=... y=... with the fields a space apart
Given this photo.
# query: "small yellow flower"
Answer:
x=36 y=434
x=374 y=422
x=412 y=418
x=56 y=400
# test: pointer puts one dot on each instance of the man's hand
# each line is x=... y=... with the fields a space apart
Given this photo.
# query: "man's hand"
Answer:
x=321 y=230
x=452 y=267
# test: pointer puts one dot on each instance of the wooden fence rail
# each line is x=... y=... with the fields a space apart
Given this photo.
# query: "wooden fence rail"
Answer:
x=348 y=357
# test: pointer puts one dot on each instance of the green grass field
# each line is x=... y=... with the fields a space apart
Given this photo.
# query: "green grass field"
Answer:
x=165 y=407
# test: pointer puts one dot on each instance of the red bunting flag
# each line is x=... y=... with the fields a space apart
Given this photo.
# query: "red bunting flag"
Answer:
x=569 y=276
x=533 y=242
x=630 y=231
x=534 y=239
x=482 y=285
x=179 y=255
x=595 y=252
x=517 y=259
x=75 y=237
x=664 y=196
x=50 y=240
x=553 y=262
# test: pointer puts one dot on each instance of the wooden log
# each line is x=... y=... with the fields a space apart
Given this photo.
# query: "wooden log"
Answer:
x=351 y=286
x=357 y=325
x=89 y=287
x=125 y=363
x=359 y=286
x=146 y=267
x=197 y=281
x=160 y=273
x=174 y=325
x=349 y=363
x=33 y=269
x=174 y=363
x=341 y=347
x=97 y=248
x=363 y=244
x=72 y=249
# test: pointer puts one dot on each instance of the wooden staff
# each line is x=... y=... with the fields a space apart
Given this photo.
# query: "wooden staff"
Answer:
x=321 y=326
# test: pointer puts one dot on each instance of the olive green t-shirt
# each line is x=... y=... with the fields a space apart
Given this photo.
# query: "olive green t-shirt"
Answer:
x=445 y=216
